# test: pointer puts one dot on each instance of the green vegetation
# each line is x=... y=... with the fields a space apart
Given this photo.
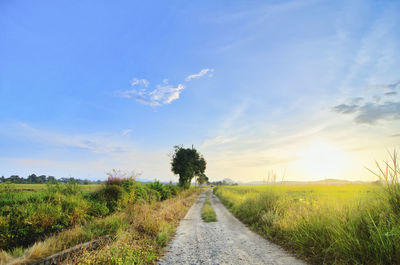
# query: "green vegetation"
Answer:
x=349 y=224
x=42 y=187
x=207 y=213
x=202 y=179
x=26 y=216
x=43 y=179
x=188 y=163
x=139 y=232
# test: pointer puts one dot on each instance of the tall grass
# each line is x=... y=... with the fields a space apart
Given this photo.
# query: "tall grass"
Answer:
x=142 y=242
x=26 y=217
x=150 y=223
x=350 y=224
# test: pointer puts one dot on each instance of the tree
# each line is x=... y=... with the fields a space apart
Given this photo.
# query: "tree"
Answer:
x=51 y=180
x=15 y=179
x=202 y=179
x=42 y=179
x=187 y=163
x=32 y=179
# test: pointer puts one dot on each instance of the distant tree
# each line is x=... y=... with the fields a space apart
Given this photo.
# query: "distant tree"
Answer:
x=72 y=180
x=15 y=179
x=51 y=180
x=202 y=179
x=32 y=179
x=63 y=180
x=42 y=179
x=187 y=163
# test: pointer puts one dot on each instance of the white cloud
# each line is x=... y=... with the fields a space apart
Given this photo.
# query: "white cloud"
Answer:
x=200 y=74
x=163 y=94
x=135 y=81
x=126 y=132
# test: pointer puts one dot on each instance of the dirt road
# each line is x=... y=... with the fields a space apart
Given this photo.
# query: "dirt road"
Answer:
x=227 y=241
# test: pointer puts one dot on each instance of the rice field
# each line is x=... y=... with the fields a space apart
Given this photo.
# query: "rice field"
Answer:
x=323 y=224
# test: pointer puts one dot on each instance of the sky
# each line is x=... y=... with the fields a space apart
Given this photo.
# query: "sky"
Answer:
x=304 y=90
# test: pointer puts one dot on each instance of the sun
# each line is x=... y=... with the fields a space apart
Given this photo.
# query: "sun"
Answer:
x=321 y=160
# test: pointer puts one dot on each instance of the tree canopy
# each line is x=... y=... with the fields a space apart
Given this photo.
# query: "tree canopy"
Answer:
x=202 y=179
x=187 y=163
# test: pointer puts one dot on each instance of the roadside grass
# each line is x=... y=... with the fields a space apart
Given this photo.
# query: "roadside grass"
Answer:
x=140 y=231
x=207 y=213
x=347 y=224
x=39 y=223
x=151 y=227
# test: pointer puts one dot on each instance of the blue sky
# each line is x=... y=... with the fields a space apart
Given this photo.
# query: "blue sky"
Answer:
x=305 y=89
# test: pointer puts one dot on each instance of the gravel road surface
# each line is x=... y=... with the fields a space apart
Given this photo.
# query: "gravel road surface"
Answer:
x=227 y=241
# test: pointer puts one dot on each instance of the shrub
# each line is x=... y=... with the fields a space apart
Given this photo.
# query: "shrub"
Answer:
x=164 y=191
x=174 y=189
x=112 y=195
x=98 y=209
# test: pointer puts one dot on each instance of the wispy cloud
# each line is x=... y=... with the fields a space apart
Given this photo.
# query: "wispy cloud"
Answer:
x=346 y=109
x=377 y=108
x=135 y=81
x=95 y=143
x=203 y=72
x=392 y=86
x=126 y=132
x=370 y=113
x=162 y=94
x=390 y=94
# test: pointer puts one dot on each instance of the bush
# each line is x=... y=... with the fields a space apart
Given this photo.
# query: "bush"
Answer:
x=174 y=189
x=110 y=194
x=164 y=191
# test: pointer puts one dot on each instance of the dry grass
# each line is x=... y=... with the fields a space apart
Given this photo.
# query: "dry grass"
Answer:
x=152 y=226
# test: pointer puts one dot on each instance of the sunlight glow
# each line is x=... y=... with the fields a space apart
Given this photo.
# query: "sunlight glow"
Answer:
x=321 y=160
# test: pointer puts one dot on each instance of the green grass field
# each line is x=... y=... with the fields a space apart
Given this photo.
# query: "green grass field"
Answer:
x=39 y=187
x=348 y=224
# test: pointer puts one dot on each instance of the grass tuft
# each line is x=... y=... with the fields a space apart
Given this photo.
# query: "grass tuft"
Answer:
x=207 y=213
